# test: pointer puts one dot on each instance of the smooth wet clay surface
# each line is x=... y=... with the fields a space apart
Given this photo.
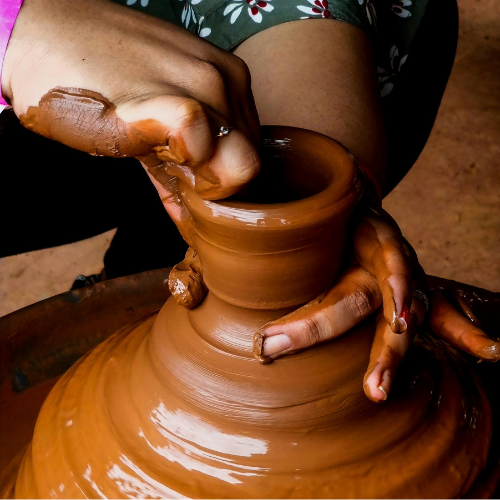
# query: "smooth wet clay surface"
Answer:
x=198 y=416
x=484 y=305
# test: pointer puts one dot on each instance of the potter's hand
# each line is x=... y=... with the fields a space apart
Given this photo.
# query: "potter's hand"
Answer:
x=382 y=280
x=111 y=81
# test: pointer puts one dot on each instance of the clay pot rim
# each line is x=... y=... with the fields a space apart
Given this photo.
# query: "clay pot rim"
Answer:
x=344 y=189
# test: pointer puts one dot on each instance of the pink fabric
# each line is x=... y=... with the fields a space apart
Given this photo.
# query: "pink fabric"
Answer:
x=9 y=10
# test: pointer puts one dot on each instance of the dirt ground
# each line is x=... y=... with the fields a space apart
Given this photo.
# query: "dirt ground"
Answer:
x=448 y=206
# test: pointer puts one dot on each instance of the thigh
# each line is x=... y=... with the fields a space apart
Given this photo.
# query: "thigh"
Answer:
x=377 y=98
x=319 y=75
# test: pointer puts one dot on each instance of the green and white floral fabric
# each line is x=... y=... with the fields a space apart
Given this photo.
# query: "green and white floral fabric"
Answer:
x=391 y=24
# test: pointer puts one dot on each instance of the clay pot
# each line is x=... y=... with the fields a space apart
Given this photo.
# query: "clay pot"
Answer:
x=176 y=405
x=279 y=243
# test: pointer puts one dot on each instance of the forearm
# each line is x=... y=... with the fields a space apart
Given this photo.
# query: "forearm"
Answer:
x=320 y=75
x=89 y=44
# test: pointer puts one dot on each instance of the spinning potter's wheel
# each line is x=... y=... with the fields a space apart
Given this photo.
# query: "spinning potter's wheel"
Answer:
x=176 y=405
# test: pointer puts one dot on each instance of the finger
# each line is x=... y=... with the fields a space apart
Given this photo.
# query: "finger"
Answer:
x=353 y=298
x=88 y=121
x=381 y=249
x=214 y=92
x=227 y=90
x=186 y=279
x=166 y=186
x=184 y=132
x=387 y=353
x=245 y=115
x=234 y=163
x=230 y=102
x=456 y=329
x=177 y=128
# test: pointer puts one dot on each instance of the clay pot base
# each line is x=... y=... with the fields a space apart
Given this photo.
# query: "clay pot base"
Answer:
x=162 y=410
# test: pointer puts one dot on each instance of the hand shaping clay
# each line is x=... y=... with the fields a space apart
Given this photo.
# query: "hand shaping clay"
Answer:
x=177 y=405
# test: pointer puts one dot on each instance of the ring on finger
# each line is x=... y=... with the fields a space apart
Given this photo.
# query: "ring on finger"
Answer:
x=223 y=131
x=422 y=296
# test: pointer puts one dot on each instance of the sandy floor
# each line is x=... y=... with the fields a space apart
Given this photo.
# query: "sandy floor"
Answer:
x=448 y=206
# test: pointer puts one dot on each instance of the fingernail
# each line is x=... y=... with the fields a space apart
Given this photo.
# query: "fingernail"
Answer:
x=400 y=324
x=380 y=388
x=385 y=383
x=276 y=344
x=489 y=353
x=258 y=345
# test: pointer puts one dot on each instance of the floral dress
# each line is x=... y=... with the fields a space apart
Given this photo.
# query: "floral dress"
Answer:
x=391 y=24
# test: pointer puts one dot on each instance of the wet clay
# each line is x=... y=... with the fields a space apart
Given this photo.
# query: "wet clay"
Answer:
x=86 y=120
x=177 y=405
